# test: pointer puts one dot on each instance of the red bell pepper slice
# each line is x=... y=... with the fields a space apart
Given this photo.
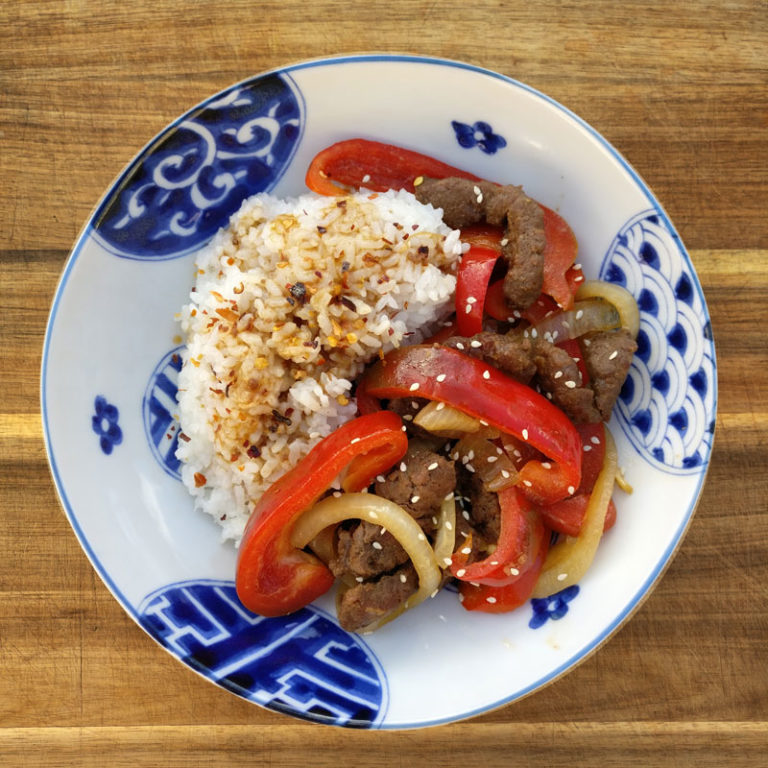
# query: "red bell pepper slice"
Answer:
x=472 y=280
x=560 y=251
x=273 y=577
x=567 y=516
x=495 y=599
x=476 y=388
x=362 y=163
x=520 y=534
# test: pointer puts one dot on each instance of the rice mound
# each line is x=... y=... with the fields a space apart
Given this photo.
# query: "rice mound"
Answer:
x=291 y=301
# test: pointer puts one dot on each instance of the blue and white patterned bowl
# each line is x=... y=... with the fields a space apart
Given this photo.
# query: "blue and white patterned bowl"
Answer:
x=111 y=361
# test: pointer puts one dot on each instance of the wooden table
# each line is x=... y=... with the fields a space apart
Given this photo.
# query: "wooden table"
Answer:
x=680 y=89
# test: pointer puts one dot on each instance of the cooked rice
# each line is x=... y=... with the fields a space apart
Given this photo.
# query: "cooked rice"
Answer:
x=291 y=301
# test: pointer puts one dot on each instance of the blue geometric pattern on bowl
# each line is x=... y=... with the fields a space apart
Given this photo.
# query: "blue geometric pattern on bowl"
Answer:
x=553 y=607
x=185 y=186
x=158 y=412
x=303 y=664
x=667 y=404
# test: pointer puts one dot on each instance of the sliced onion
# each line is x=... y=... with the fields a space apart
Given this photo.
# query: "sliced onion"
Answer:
x=618 y=296
x=585 y=317
x=383 y=512
x=445 y=538
x=479 y=454
x=569 y=559
x=444 y=420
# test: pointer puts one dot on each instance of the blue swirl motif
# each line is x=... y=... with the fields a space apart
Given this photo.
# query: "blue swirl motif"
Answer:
x=479 y=134
x=185 y=186
x=304 y=665
x=104 y=424
x=553 y=607
x=667 y=404
x=159 y=412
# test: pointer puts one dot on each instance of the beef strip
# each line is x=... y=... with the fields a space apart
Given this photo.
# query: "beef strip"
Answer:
x=511 y=352
x=363 y=550
x=419 y=489
x=478 y=516
x=466 y=202
x=558 y=374
x=366 y=602
x=608 y=355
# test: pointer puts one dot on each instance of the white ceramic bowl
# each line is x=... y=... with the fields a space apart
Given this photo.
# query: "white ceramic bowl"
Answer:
x=109 y=380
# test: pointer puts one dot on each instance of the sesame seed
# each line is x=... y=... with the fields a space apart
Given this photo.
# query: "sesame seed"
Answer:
x=434 y=593
x=461 y=572
x=475 y=344
x=571 y=490
x=471 y=300
x=402 y=466
x=373 y=515
x=418 y=181
x=459 y=346
x=613 y=354
x=337 y=494
x=558 y=374
x=404 y=429
x=414 y=405
x=534 y=333
x=494 y=562
x=407 y=417
x=562 y=576
x=359 y=579
x=465 y=514
x=415 y=499
x=440 y=406
x=505 y=474
x=449 y=496
x=354 y=440
x=524 y=434
x=432 y=466
x=491 y=459
x=570 y=384
x=546 y=465
x=580 y=314
x=490 y=599
x=505 y=241
x=403 y=578
x=440 y=377
x=434 y=520
x=448 y=525
x=366 y=178
x=486 y=374
x=466 y=551
x=414 y=386
x=447 y=561
x=587 y=448
x=470 y=468
x=595 y=440
x=422 y=537
x=527 y=483
x=468 y=309
x=513 y=571
x=484 y=423
x=376 y=545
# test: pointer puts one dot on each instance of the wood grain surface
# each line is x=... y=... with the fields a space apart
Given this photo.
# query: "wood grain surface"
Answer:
x=680 y=89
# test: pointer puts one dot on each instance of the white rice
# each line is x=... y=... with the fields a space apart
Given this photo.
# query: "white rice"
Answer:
x=291 y=301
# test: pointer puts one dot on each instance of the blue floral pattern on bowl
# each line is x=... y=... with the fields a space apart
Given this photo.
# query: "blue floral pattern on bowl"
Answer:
x=104 y=424
x=667 y=404
x=553 y=607
x=479 y=134
x=185 y=186
x=303 y=664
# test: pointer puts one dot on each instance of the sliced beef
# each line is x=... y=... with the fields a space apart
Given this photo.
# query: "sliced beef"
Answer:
x=559 y=375
x=427 y=478
x=363 y=550
x=467 y=202
x=511 y=352
x=369 y=601
x=608 y=355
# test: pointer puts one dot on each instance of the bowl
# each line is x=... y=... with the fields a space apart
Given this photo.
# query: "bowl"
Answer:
x=111 y=361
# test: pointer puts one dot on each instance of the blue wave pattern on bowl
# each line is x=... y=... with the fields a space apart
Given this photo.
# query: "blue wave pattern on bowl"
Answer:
x=667 y=404
x=303 y=664
x=185 y=186
x=158 y=412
